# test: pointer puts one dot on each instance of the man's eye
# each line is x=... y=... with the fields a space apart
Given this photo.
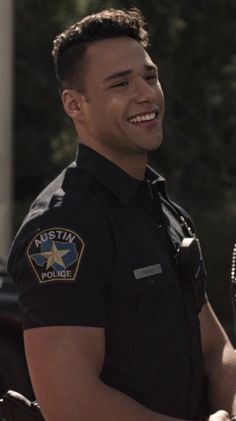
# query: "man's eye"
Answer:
x=121 y=84
x=151 y=78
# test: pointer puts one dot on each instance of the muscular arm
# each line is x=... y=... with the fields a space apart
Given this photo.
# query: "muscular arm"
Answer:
x=65 y=363
x=220 y=359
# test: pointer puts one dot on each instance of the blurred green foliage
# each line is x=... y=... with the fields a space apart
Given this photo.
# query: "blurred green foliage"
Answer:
x=194 y=46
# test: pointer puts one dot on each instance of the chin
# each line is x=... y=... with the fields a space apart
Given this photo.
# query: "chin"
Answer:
x=153 y=146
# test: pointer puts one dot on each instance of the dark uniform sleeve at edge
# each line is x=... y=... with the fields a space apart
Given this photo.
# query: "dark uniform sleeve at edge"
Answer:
x=79 y=299
x=63 y=307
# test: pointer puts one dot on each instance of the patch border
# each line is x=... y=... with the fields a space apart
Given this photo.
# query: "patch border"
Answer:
x=60 y=280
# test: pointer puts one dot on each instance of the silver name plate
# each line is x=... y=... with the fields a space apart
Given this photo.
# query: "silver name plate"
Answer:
x=148 y=271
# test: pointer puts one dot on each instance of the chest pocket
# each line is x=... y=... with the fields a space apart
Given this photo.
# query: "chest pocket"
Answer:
x=141 y=292
x=145 y=305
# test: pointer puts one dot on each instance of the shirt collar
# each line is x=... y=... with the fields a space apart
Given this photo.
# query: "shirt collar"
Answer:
x=113 y=177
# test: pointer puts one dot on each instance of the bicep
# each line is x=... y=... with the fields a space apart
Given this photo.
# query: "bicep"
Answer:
x=64 y=363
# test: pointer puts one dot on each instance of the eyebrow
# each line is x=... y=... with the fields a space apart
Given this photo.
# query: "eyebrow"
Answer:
x=123 y=73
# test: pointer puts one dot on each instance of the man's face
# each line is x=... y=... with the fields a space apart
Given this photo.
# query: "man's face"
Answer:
x=124 y=105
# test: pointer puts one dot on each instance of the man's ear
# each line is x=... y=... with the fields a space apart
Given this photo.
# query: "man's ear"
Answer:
x=72 y=102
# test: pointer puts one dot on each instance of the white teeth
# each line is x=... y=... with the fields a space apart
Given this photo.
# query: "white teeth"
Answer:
x=144 y=117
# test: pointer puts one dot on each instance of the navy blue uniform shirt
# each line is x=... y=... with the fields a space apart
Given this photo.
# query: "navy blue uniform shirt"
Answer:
x=98 y=249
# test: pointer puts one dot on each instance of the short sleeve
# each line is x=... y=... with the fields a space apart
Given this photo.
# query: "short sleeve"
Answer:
x=61 y=263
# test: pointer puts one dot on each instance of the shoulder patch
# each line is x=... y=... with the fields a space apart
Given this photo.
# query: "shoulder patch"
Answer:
x=55 y=254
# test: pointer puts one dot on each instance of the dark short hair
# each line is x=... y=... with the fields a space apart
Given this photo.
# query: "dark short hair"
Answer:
x=70 y=46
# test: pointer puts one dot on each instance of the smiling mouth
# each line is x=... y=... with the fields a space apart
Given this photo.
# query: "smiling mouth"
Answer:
x=144 y=118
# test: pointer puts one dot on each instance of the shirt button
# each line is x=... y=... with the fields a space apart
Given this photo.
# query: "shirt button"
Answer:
x=159 y=225
x=151 y=281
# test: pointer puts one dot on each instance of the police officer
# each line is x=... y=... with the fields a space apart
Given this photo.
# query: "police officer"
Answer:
x=117 y=325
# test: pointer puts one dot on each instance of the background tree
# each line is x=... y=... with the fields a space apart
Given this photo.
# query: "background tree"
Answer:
x=194 y=46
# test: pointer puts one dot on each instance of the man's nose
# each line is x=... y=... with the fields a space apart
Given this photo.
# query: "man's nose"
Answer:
x=144 y=92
